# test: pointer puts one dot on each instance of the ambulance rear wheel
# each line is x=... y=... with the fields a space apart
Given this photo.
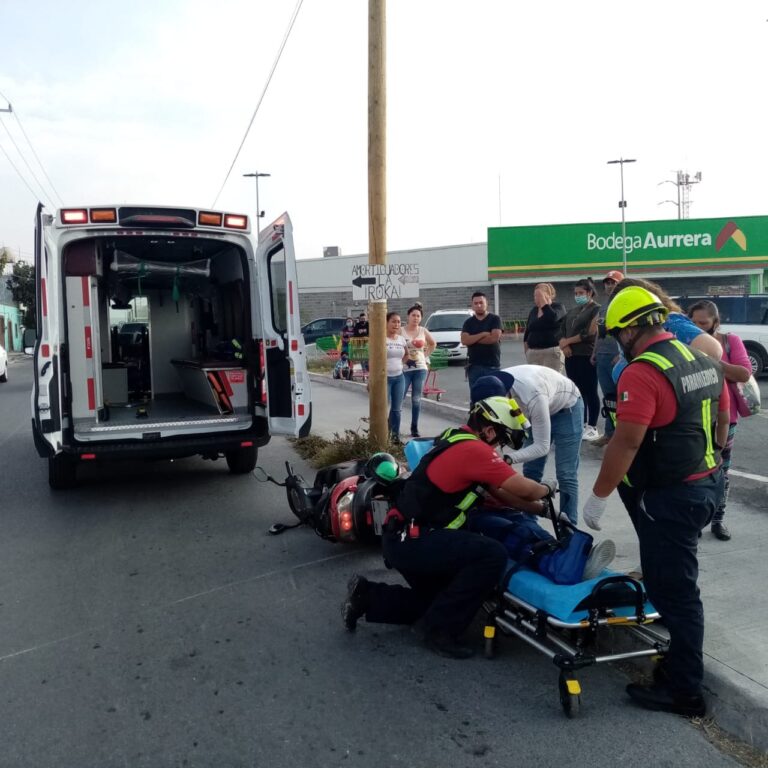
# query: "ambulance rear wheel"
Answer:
x=62 y=472
x=242 y=460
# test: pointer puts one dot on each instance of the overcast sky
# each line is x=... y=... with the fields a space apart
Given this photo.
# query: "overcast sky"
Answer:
x=148 y=101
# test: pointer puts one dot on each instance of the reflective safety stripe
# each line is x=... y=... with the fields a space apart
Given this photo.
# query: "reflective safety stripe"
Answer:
x=660 y=360
x=682 y=349
x=460 y=437
x=457 y=522
x=626 y=481
x=706 y=422
x=471 y=497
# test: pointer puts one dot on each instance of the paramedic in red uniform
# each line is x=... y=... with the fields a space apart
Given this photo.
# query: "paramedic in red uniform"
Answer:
x=449 y=570
x=671 y=419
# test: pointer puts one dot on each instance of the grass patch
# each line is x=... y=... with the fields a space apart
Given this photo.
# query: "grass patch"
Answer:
x=344 y=446
x=320 y=365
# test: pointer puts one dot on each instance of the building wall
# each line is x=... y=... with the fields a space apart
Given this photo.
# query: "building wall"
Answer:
x=10 y=328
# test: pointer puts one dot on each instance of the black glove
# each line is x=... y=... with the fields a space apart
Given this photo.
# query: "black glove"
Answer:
x=551 y=486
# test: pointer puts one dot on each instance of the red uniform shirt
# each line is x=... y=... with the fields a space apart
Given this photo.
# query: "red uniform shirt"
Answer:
x=467 y=463
x=646 y=397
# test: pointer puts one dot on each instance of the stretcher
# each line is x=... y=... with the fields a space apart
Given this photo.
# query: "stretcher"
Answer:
x=565 y=623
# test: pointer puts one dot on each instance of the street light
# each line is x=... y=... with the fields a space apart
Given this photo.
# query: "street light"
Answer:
x=623 y=205
x=259 y=213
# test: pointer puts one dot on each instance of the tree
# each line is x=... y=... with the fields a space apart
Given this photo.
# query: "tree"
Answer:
x=22 y=287
x=6 y=257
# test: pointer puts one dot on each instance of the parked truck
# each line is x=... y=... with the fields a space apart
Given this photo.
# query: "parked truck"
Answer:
x=216 y=367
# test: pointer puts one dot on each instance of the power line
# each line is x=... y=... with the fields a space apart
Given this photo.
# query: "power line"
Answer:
x=21 y=155
x=34 y=194
x=261 y=98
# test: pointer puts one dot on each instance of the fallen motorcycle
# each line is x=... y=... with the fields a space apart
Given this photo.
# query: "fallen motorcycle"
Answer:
x=347 y=502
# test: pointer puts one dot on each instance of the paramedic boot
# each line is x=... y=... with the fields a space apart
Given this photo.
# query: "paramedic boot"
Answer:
x=599 y=559
x=443 y=644
x=662 y=699
x=356 y=603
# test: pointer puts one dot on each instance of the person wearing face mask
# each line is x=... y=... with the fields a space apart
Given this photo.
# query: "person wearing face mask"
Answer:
x=347 y=332
x=736 y=369
x=578 y=342
x=672 y=415
x=605 y=355
x=449 y=570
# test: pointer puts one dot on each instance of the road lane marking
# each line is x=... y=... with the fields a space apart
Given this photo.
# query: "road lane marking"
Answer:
x=748 y=475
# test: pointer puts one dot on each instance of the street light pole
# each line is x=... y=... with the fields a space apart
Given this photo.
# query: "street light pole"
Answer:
x=623 y=205
x=259 y=212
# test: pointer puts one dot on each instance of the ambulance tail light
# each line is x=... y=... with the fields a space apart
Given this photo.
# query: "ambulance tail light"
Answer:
x=103 y=216
x=209 y=219
x=235 y=221
x=74 y=216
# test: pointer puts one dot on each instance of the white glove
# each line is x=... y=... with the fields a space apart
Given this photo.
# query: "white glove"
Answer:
x=593 y=511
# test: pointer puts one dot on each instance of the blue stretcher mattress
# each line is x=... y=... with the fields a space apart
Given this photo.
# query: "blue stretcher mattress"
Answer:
x=562 y=601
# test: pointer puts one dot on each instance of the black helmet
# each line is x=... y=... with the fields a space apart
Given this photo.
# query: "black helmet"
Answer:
x=383 y=467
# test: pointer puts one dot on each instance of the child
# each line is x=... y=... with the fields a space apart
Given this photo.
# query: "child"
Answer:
x=342 y=369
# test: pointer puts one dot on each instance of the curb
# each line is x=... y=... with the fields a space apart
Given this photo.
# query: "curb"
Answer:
x=738 y=703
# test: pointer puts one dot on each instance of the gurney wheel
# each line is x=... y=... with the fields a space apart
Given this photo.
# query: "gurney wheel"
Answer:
x=570 y=694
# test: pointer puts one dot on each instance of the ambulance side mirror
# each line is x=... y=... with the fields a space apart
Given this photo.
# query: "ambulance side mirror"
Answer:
x=28 y=340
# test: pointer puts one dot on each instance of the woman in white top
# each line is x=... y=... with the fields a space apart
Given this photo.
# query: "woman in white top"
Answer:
x=420 y=345
x=397 y=354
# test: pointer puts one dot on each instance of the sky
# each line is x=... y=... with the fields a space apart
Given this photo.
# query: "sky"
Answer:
x=498 y=112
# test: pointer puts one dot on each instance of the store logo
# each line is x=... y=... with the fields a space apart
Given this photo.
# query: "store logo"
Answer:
x=731 y=231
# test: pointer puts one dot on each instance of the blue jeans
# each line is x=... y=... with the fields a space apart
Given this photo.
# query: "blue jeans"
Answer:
x=395 y=394
x=567 y=428
x=604 y=365
x=474 y=372
x=415 y=378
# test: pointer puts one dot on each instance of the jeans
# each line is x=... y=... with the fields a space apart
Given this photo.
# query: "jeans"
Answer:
x=395 y=394
x=567 y=429
x=604 y=365
x=725 y=466
x=449 y=574
x=414 y=378
x=668 y=522
x=474 y=372
x=582 y=373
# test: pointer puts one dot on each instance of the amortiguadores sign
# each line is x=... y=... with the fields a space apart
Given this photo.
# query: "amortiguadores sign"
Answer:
x=688 y=244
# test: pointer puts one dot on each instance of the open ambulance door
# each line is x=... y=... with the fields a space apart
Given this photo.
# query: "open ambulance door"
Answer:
x=47 y=387
x=289 y=402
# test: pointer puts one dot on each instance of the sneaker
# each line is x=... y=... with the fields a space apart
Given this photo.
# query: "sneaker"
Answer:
x=599 y=559
x=590 y=434
x=415 y=432
x=356 y=603
x=720 y=531
x=446 y=645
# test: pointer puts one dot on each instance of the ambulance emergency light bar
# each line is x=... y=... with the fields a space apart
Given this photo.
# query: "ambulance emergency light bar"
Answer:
x=157 y=218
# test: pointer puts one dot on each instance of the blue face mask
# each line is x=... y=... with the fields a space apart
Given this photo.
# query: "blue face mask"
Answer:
x=581 y=299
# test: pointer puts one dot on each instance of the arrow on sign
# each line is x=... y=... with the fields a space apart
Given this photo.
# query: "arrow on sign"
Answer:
x=409 y=278
x=360 y=281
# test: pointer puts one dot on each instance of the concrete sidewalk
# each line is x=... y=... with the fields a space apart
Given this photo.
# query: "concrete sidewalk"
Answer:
x=733 y=574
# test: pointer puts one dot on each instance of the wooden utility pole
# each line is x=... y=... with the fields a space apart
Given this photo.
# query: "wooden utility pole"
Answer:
x=377 y=215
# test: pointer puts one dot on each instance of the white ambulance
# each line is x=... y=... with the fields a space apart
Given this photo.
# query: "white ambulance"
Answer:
x=212 y=361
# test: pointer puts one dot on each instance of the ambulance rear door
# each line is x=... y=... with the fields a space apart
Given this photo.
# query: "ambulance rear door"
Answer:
x=287 y=389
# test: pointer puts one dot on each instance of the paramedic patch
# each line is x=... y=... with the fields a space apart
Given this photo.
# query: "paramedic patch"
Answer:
x=624 y=397
x=699 y=380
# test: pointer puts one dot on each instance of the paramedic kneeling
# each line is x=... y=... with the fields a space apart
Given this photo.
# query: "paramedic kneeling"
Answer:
x=448 y=569
x=672 y=404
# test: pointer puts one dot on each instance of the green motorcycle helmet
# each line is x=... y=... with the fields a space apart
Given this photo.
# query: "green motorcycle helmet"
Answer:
x=383 y=467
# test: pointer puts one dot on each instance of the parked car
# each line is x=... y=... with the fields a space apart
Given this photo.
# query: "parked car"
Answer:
x=445 y=326
x=3 y=365
x=747 y=317
x=322 y=326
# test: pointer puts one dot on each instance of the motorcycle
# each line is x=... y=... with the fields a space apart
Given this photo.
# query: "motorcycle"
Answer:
x=348 y=502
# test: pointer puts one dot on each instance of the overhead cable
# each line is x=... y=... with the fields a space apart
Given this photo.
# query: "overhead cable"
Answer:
x=34 y=194
x=21 y=155
x=261 y=98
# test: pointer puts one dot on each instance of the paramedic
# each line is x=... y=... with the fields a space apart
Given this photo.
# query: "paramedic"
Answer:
x=672 y=412
x=449 y=570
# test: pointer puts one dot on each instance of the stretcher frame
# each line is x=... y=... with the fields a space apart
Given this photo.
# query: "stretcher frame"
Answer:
x=573 y=645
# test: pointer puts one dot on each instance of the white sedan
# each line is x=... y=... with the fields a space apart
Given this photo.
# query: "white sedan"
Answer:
x=3 y=365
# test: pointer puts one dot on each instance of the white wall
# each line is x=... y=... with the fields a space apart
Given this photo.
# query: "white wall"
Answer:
x=446 y=266
x=169 y=337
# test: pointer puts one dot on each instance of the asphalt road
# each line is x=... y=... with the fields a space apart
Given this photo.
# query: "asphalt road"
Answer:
x=146 y=619
x=751 y=437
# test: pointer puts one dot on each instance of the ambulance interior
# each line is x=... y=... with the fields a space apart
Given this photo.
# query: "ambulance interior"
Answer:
x=181 y=358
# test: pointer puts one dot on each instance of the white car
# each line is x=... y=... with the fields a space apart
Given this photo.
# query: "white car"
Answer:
x=3 y=365
x=445 y=326
x=755 y=338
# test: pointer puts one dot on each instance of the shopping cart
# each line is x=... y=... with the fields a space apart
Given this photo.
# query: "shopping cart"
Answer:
x=330 y=346
x=437 y=361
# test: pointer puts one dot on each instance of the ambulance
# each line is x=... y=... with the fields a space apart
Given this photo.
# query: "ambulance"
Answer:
x=212 y=362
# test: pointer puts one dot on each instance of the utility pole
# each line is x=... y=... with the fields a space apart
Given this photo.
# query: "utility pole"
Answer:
x=377 y=216
x=623 y=205
x=259 y=212
x=684 y=181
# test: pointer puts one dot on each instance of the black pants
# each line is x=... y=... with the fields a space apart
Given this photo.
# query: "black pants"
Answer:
x=583 y=374
x=449 y=574
x=668 y=521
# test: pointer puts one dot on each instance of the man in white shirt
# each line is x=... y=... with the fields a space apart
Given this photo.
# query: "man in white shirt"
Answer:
x=555 y=409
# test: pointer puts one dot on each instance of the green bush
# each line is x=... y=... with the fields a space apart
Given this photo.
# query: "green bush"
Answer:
x=351 y=444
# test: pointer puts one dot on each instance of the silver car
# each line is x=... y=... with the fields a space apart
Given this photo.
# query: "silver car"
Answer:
x=3 y=365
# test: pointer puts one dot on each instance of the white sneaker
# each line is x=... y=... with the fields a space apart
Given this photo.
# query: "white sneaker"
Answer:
x=599 y=559
x=590 y=433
